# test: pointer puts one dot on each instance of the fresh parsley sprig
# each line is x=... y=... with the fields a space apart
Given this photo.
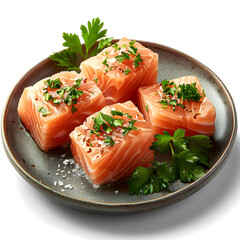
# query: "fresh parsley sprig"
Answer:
x=91 y=33
x=189 y=159
x=189 y=154
x=150 y=180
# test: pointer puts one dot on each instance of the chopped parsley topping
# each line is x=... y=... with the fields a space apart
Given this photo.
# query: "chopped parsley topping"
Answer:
x=117 y=113
x=188 y=161
x=129 y=128
x=105 y=123
x=72 y=96
x=53 y=84
x=126 y=71
x=183 y=92
x=95 y=80
x=43 y=111
x=116 y=46
x=108 y=140
x=146 y=107
x=73 y=109
x=122 y=57
x=137 y=60
x=132 y=50
x=128 y=115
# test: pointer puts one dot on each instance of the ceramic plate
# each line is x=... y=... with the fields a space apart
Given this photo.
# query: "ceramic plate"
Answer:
x=54 y=174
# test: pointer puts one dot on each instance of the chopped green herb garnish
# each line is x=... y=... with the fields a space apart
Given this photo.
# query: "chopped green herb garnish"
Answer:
x=77 y=83
x=61 y=92
x=126 y=71
x=116 y=46
x=72 y=96
x=47 y=96
x=43 y=111
x=53 y=84
x=128 y=115
x=93 y=132
x=74 y=109
x=122 y=57
x=129 y=128
x=104 y=123
x=188 y=92
x=105 y=62
x=95 y=80
x=146 y=107
x=184 y=92
x=117 y=113
x=132 y=49
x=137 y=60
x=90 y=34
x=108 y=141
x=56 y=101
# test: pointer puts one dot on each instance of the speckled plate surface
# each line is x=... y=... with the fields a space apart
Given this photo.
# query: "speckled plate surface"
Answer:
x=50 y=173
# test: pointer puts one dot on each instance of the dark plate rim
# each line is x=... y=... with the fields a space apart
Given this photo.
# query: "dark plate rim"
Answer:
x=181 y=193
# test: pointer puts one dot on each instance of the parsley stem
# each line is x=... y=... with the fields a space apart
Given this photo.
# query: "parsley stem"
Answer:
x=171 y=147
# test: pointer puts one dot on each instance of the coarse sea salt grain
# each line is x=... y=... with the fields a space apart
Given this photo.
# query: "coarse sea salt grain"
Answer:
x=67 y=186
x=60 y=183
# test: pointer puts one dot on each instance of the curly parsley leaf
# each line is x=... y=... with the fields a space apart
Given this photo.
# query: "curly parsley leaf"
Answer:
x=199 y=144
x=91 y=33
x=72 y=41
x=185 y=166
x=66 y=58
x=122 y=57
x=162 y=143
x=150 y=180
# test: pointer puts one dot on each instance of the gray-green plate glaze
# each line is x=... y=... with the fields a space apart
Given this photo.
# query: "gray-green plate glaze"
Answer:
x=48 y=173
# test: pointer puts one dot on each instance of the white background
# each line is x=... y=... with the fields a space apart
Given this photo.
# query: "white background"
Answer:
x=206 y=30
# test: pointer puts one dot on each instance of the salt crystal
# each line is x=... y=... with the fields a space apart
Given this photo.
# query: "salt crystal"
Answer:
x=66 y=161
x=71 y=161
x=55 y=183
x=63 y=155
x=60 y=183
x=116 y=192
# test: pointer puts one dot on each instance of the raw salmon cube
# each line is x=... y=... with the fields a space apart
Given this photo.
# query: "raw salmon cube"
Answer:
x=121 y=69
x=54 y=106
x=112 y=152
x=194 y=117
